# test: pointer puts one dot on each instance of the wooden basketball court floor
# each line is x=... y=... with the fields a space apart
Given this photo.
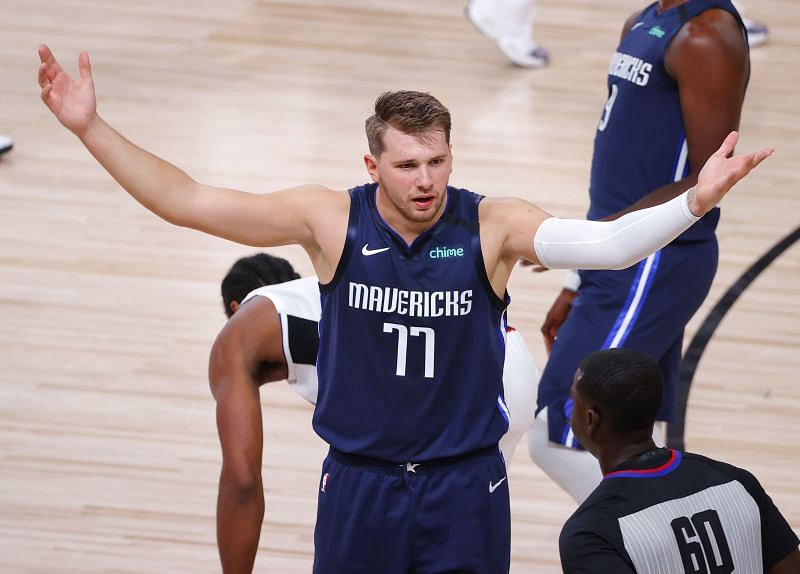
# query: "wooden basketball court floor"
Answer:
x=108 y=450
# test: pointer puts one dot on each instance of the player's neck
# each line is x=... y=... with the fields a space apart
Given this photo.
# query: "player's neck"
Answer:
x=617 y=452
x=404 y=226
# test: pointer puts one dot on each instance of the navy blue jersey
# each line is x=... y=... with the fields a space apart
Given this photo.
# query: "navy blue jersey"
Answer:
x=411 y=339
x=637 y=151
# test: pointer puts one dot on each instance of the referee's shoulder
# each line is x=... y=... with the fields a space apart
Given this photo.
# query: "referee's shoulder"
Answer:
x=598 y=507
x=700 y=462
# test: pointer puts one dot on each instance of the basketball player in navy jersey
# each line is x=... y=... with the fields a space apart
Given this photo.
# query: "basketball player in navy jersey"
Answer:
x=413 y=278
x=661 y=511
x=676 y=86
x=274 y=336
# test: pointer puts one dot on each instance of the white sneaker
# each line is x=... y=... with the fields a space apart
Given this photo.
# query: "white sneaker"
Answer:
x=5 y=144
x=484 y=23
x=757 y=33
x=524 y=52
x=521 y=51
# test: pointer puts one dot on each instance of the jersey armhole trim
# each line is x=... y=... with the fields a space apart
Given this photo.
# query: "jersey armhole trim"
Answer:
x=287 y=352
x=347 y=251
x=480 y=264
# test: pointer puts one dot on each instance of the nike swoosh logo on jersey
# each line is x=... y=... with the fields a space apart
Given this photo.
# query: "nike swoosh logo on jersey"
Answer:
x=637 y=25
x=367 y=251
x=493 y=487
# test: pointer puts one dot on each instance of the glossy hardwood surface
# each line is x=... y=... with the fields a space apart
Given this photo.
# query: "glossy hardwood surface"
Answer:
x=108 y=451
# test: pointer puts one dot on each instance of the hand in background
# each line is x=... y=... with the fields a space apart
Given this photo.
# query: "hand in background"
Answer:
x=556 y=317
x=72 y=102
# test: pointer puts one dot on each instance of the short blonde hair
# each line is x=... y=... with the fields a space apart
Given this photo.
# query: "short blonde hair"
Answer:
x=414 y=113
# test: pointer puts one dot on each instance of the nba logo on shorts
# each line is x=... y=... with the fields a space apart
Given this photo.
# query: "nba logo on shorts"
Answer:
x=324 y=483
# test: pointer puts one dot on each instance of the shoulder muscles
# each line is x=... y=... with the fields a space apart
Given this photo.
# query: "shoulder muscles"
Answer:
x=706 y=42
x=508 y=226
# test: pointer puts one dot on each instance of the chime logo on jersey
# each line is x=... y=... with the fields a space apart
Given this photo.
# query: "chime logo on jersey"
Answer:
x=324 y=486
x=409 y=303
x=446 y=252
x=657 y=32
x=630 y=68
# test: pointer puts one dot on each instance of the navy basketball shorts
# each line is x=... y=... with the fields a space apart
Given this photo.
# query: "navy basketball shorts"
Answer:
x=445 y=515
x=645 y=307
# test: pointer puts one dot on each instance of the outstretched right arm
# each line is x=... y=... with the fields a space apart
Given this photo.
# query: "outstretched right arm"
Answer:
x=267 y=220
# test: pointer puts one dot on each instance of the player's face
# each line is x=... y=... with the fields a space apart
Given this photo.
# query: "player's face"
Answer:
x=412 y=175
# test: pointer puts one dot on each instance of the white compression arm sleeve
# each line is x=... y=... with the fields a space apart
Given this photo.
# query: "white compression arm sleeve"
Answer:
x=582 y=244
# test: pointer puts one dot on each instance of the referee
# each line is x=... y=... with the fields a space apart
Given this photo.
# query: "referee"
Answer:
x=659 y=510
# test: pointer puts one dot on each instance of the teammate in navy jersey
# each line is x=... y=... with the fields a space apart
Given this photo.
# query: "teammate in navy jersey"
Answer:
x=661 y=511
x=676 y=85
x=413 y=278
x=274 y=337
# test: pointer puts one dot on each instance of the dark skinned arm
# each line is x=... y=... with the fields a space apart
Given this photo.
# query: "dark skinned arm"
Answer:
x=556 y=316
x=248 y=351
x=789 y=565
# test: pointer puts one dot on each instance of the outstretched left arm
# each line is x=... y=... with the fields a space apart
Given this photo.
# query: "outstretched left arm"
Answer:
x=581 y=244
x=564 y=243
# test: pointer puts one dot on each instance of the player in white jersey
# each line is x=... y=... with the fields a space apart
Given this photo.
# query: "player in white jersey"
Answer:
x=272 y=335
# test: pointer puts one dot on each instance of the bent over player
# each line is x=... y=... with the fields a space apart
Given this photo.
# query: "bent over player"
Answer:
x=413 y=278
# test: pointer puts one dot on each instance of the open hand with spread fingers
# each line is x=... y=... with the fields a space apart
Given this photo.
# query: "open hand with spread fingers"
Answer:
x=71 y=101
x=721 y=172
